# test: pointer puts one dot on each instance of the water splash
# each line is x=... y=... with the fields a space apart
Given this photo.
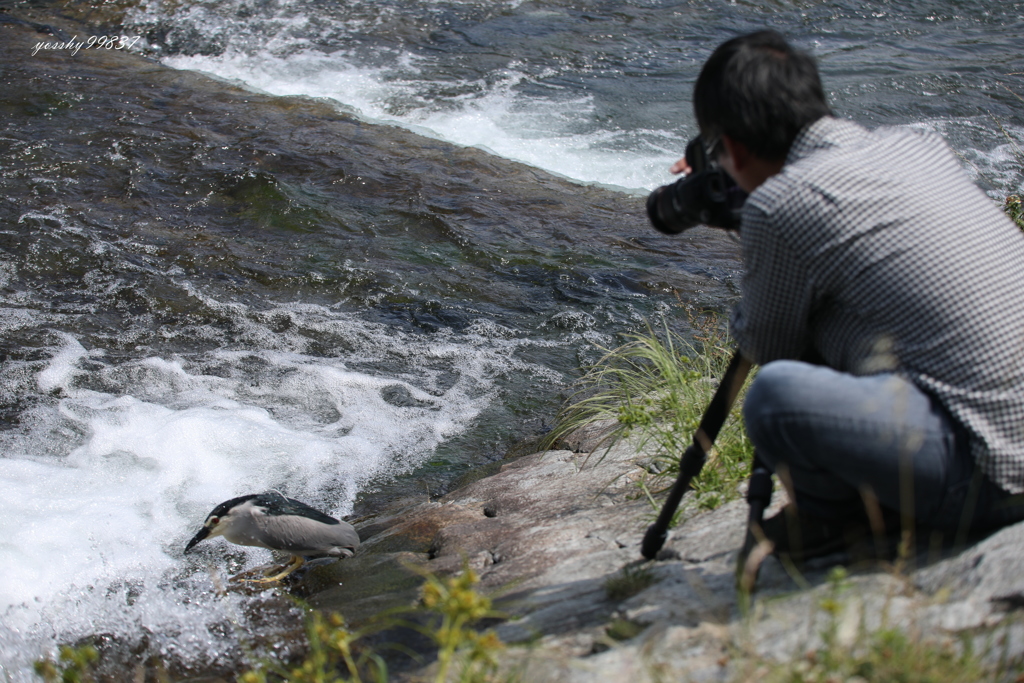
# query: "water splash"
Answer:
x=118 y=462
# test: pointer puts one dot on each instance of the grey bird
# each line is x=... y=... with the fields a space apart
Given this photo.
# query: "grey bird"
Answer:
x=272 y=520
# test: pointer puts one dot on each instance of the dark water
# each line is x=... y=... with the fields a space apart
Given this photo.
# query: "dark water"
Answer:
x=207 y=290
x=599 y=91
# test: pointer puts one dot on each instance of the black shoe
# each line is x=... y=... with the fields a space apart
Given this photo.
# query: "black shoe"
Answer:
x=800 y=537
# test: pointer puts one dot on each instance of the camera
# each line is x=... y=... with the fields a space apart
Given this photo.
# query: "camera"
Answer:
x=707 y=196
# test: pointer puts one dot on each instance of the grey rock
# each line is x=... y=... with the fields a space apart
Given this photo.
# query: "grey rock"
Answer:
x=548 y=531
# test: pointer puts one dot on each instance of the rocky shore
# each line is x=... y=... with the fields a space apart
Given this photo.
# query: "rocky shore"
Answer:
x=550 y=530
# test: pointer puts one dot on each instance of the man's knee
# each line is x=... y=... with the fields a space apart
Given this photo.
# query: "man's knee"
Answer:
x=772 y=392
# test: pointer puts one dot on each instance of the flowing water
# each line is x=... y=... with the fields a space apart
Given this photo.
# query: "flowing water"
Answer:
x=209 y=287
x=599 y=91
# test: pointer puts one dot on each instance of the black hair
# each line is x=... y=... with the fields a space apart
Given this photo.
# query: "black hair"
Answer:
x=759 y=91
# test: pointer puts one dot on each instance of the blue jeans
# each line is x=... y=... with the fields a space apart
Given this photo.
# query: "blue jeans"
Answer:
x=835 y=436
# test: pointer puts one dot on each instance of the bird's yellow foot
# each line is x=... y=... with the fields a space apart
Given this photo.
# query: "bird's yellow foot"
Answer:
x=297 y=561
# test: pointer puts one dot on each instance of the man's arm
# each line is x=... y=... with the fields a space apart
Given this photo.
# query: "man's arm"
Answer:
x=770 y=321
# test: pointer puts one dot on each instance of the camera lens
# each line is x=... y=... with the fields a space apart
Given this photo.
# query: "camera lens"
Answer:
x=668 y=212
x=707 y=196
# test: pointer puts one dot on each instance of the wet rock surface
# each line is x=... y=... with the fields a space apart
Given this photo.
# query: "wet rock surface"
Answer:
x=550 y=530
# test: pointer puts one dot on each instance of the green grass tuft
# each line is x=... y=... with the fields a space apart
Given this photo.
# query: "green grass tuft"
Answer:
x=629 y=582
x=1014 y=210
x=73 y=665
x=623 y=629
x=885 y=655
x=450 y=607
x=655 y=388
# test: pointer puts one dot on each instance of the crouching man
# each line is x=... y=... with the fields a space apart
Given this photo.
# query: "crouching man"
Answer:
x=883 y=296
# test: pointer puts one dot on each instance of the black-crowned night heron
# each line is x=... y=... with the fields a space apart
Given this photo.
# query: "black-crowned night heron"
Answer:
x=271 y=520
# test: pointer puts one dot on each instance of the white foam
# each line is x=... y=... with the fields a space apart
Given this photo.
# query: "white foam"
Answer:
x=556 y=133
x=118 y=464
x=61 y=368
x=516 y=111
x=1001 y=165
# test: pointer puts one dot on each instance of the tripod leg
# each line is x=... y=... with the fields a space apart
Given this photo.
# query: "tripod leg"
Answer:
x=755 y=546
x=695 y=456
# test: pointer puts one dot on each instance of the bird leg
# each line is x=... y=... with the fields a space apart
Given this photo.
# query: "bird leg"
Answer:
x=296 y=562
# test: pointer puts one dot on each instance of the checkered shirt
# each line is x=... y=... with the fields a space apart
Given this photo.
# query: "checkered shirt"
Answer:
x=876 y=251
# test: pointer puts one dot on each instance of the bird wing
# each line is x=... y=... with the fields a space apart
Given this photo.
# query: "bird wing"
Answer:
x=276 y=504
x=306 y=536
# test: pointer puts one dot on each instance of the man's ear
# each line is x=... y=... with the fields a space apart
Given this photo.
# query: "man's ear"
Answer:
x=745 y=167
x=738 y=153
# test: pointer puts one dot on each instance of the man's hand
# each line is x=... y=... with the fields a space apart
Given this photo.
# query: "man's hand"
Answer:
x=681 y=167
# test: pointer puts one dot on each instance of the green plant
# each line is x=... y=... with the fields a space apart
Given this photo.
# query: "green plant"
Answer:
x=332 y=648
x=631 y=580
x=1015 y=210
x=73 y=665
x=472 y=654
x=889 y=656
x=656 y=387
x=886 y=655
x=623 y=629
x=449 y=607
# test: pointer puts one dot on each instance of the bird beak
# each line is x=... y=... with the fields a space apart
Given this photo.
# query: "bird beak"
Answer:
x=203 y=533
